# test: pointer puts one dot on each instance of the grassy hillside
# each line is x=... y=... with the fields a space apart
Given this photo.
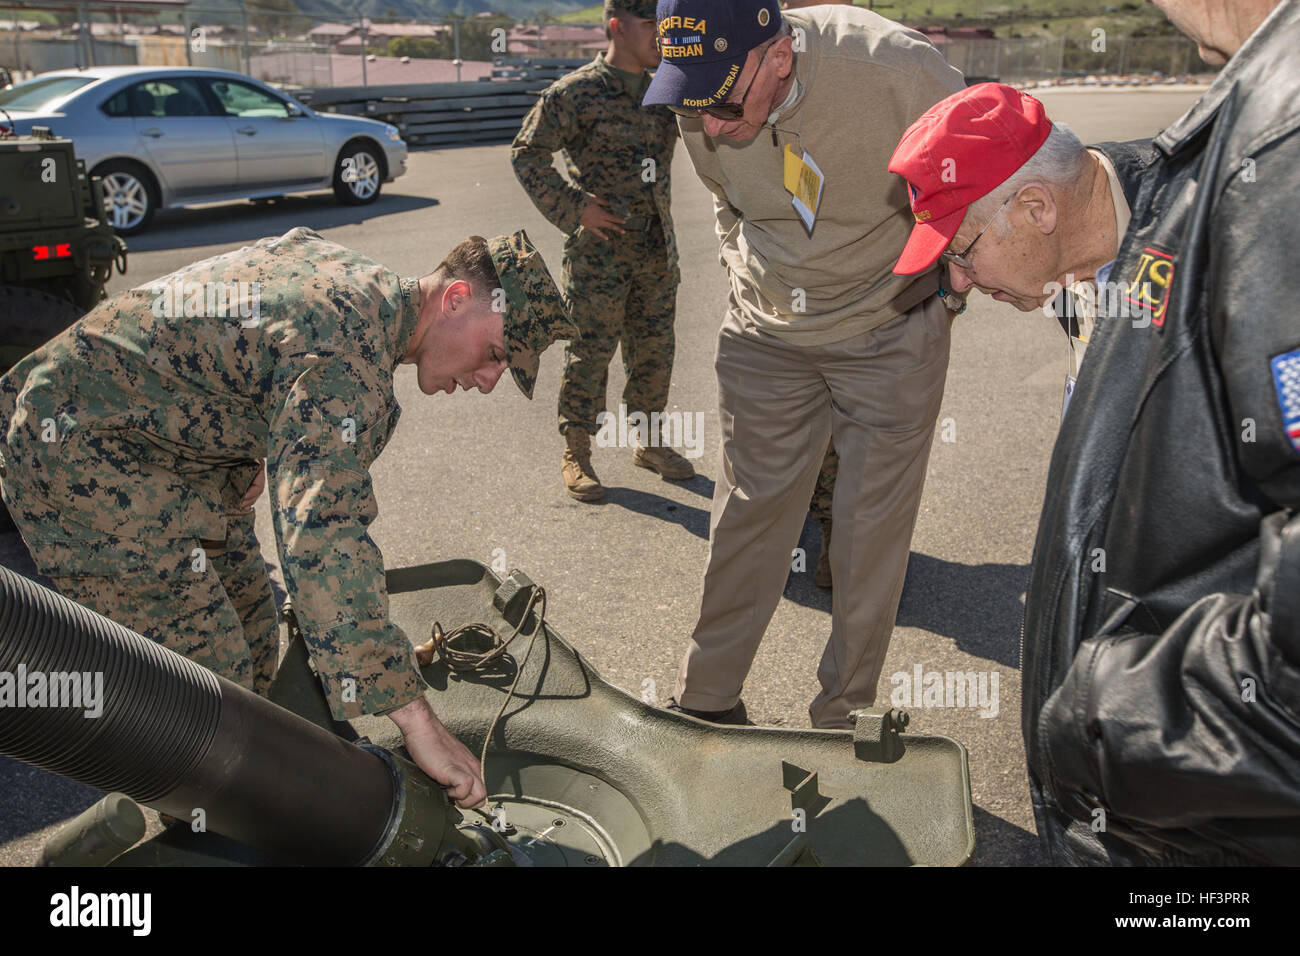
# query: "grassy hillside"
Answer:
x=227 y=11
x=1035 y=18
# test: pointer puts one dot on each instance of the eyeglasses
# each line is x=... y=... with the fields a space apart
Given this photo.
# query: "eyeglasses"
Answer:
x=963 y=258
x=725 y=111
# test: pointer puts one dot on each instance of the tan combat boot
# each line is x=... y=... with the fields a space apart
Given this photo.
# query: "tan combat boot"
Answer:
x=579 y=477
x=822 y=576
x=663 y=460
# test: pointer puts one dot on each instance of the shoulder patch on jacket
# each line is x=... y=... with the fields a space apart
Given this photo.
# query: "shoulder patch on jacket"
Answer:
x=1150 y=287
x=1286 y=379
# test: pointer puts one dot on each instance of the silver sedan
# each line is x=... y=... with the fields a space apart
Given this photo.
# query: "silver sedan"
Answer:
x=161 y=137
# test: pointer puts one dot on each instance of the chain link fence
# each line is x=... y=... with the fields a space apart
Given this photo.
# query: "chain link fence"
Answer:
x=296 y=50
x=1031 y=59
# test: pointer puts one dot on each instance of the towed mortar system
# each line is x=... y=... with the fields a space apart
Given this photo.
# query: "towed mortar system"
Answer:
x=579 y=772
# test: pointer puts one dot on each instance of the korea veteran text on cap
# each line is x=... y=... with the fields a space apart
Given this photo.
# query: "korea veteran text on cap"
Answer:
x=705 y=44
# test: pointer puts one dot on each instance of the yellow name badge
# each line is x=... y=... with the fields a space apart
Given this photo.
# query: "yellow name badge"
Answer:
x=803 y=180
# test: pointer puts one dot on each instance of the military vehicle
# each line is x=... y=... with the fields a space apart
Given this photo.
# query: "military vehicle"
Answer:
x=578 y=772
x=57 y=251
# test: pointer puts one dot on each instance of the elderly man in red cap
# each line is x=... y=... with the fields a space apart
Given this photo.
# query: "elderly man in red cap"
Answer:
x=1015 y=206
x=1161 y=640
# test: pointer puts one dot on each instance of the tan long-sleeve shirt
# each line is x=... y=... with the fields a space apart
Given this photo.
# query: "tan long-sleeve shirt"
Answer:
x=863 y=80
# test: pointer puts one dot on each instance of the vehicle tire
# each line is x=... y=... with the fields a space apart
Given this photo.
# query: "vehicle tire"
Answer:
x=130 y=195
x=358 y=174
x=33 y=318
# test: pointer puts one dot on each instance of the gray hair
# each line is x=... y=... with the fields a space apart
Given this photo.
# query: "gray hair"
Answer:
x=784 y=30
x=1060 y=161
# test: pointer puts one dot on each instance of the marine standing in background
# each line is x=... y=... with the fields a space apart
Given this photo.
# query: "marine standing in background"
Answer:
x=620 y=271
x=820 y=509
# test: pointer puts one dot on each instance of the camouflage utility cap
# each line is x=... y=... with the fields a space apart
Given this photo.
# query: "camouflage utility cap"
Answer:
x=645 y=9
x=535 y=315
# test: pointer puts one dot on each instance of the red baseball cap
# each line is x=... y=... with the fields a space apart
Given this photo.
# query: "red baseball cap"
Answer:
x=963 y=148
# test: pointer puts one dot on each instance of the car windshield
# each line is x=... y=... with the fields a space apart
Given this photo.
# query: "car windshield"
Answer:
x=35 y=94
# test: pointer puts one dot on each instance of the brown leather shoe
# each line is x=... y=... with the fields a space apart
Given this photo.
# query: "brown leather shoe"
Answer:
x=579 y=477
x=822 y=576
x=663 y=460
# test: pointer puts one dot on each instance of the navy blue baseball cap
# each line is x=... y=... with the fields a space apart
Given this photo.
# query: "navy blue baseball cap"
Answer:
x=705 y=44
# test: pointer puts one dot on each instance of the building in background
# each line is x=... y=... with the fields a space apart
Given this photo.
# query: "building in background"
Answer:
x=574 y=41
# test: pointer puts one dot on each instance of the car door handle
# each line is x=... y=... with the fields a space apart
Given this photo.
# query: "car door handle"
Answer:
x=152 y=131
x=247 y=130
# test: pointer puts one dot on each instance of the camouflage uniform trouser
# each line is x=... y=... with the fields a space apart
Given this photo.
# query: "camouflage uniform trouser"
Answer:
x=222 y=617
x=620 y=291
x=824 y=493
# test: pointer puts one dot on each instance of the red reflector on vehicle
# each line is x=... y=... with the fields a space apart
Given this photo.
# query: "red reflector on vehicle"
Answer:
x=63 y=250
x=40 y=252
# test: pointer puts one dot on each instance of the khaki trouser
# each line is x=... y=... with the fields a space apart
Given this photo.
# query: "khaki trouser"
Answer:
x=878 y=394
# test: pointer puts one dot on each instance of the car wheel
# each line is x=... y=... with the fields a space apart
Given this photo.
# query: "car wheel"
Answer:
x=358 y=175
x=130 y=196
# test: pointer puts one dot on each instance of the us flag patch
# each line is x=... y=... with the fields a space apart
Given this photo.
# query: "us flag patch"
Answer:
x=1286 y=379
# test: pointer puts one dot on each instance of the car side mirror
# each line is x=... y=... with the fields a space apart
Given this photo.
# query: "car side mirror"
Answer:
x=293 y=110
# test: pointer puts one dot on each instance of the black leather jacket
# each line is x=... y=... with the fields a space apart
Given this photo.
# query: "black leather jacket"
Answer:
x=1161 y=652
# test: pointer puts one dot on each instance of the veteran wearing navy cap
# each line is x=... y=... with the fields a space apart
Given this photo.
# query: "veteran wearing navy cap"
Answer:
x=790 y=120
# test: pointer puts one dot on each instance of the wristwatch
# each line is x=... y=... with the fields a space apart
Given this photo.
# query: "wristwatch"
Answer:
x=952 y=301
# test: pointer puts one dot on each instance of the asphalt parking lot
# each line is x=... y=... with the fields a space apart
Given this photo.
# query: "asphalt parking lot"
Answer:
x=479 y=477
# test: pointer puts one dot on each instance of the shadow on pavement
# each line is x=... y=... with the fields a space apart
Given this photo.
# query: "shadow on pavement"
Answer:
x=978 y=606
x=693 y=520
x=700 y=485
x=243 y=220
x=32 y=799
x=999 y=843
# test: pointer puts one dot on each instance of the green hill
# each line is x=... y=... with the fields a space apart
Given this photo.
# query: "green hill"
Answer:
x=342 y=11
x=1030 y=18
x=1039 y=17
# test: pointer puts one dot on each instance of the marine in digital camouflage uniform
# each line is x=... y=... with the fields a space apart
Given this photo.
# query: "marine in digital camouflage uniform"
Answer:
x=130 y=440
x=820 y=508
x=618 y=157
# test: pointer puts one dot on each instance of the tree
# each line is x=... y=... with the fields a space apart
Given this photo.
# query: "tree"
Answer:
x=476 y=38
x=277 y=17
x=419 y=48
x=475 y=42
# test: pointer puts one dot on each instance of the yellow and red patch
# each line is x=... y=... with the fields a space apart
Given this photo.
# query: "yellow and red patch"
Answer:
x=1152 y=283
